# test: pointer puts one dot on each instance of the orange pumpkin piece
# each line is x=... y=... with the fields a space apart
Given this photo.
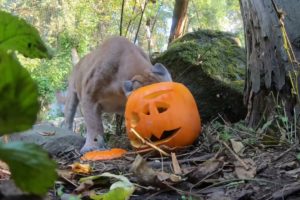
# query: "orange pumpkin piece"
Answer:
x=164 y=114
x=104 y=155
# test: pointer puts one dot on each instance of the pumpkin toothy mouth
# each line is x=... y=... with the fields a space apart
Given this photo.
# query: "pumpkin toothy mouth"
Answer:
x=165 y=135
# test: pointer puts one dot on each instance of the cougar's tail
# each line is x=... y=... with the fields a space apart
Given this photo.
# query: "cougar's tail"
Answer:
x=70 y=109
x=72 y=98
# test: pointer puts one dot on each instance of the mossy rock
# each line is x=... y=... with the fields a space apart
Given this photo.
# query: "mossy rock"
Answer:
x=212 y=65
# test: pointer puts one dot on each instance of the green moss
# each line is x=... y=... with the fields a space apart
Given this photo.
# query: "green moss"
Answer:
x=217 y=53
x=186 y=52
x=212 y=65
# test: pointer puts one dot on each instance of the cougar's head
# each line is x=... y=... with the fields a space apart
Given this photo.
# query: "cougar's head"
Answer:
x=157 y=73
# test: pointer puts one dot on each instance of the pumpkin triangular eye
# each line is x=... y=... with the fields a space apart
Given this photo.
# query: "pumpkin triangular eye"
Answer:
x=161 y=107
x=146 y=109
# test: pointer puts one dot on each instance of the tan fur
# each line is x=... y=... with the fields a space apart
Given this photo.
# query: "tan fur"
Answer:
x=97 y=81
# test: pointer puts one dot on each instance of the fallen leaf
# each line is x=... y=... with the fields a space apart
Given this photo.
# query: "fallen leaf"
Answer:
x=65 y=173
x=81 y=168
x=243 y=173
x=120 y=190
x=237 y=147
x=206 y=168
x=143 y=172
x=104 y=155
x=163 y=176
x=147 y=176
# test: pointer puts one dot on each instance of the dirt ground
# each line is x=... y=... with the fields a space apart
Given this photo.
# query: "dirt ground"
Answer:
x=216 y=167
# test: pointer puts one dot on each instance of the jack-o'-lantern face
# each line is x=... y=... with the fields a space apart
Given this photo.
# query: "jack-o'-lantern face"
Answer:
x=163 y=113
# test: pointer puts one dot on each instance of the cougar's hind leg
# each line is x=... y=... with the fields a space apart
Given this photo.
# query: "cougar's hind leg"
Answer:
x=70 y=109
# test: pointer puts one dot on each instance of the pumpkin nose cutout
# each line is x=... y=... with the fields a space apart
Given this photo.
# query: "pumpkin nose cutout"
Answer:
x=146 y=109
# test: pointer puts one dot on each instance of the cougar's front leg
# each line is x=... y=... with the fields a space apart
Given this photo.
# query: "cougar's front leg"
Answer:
x=92 y=116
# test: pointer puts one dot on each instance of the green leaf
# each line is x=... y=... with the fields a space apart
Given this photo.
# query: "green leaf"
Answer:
x=19 y=97
x=31 y=168
x=17 y=34
x=114 y=194
x=120 y=190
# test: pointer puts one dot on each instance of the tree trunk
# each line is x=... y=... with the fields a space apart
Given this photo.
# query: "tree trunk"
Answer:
x=179 y=19
x=268 y=66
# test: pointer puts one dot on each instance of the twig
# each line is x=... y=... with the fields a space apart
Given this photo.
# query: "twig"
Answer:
x=285 y=152
x=176 y=166
x=235 y=180
x=235 y=155
x=198 y=159
x=286 y=191
x=148 y=143
x=157 y=193
x=182 y=191
x=206 y=177
x=131 y=19
x=69 y=181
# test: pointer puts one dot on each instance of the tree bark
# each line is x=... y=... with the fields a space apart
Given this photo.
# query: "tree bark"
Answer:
x=140 y=22
x=267 y=74
x=179 y=19
x=122 y=16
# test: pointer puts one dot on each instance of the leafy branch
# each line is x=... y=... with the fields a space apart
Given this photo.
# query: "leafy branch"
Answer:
x=31 y=168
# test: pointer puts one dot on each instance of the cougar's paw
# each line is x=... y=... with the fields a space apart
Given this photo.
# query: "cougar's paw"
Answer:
x=88 y=146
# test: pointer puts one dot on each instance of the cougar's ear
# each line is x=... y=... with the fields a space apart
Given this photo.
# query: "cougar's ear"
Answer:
x=160 y=70
x=127 y=87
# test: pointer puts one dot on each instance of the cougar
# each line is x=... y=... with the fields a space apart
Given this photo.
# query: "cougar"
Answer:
x=101 y=82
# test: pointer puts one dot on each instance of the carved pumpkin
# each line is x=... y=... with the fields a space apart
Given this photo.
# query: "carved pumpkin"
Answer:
x=163 y=113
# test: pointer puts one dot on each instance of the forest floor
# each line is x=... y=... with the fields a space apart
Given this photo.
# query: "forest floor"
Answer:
x=226 y=163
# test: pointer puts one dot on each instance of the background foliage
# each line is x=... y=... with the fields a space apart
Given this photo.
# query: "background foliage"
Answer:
x=83 y=24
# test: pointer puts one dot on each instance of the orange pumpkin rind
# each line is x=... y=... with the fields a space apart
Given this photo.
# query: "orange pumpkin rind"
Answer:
x=104 y=155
